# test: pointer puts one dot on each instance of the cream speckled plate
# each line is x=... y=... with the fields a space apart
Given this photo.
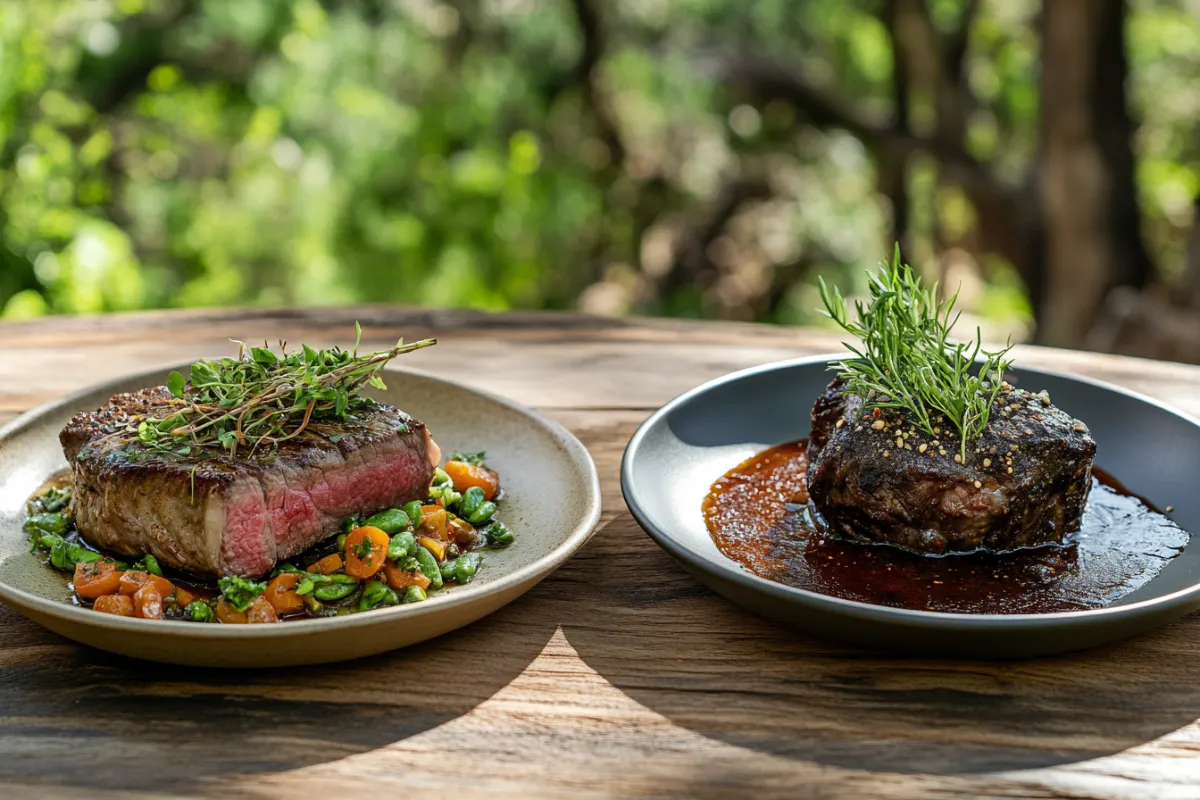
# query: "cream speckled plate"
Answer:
x=551 y=504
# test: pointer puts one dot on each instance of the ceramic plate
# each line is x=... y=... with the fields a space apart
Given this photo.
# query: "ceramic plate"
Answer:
x=678 y=452
x=552 y=503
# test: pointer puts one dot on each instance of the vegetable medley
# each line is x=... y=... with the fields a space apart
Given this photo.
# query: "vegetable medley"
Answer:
x=397 y=556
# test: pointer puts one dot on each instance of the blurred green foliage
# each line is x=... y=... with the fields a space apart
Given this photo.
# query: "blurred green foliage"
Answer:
x=158 y=153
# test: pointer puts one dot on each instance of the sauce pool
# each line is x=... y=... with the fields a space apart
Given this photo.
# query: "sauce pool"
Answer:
x=758 y=515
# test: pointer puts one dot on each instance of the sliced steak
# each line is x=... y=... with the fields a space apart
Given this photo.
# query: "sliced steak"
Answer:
x=211 y=514
x=1024 y=483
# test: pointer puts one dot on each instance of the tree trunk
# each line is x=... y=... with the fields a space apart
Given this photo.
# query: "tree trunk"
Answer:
x=1092 y=238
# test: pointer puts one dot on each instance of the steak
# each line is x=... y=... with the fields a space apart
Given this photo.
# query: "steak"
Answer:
x=874 y=477
x=212 y=514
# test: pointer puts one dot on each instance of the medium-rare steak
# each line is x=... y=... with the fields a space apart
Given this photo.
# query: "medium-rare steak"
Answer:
x=875 y=477
x=212 y=514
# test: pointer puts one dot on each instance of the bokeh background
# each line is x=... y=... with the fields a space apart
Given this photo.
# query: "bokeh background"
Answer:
x=700 y=158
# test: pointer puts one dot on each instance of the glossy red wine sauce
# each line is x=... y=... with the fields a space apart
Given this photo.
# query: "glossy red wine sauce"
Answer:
x=757 y=513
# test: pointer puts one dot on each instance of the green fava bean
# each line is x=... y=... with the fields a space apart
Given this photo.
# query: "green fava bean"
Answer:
x=401 y=546
x=412 y=510
x=429 y=566
x=466 y=566
x=350 y=523
x=483 y=513
x=389 y=521
x=414 y=594
x=50 y=523
x=376 y=594
x=472 y=499
x=328 y=592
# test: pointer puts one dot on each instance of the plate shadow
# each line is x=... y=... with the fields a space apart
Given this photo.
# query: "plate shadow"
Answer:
x=73 y=716
x=675 y=647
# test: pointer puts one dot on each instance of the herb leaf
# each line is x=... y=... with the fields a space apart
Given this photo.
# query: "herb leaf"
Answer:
x=239 y=592
x=905 y=359
x=262 y=398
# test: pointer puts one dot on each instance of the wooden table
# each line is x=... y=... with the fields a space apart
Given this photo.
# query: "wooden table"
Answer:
x=618 y=676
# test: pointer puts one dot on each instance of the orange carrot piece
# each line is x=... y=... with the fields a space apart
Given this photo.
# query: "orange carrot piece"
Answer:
x=184 y=596
x=327 y=565
x=400 y=579
x=148 y=602
x=434 y=546
x=228 y=614
x=467 y=475
x=261 y=611
x=281 y=595
x=96 y=579
x=120 y=605
x=366 y=551
x=434 y=522
x=133 y=580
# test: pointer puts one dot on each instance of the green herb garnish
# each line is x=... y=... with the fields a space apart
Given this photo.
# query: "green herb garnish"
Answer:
x=475 y=459
x=263 y=398
x=239 y=592
x=905 y=359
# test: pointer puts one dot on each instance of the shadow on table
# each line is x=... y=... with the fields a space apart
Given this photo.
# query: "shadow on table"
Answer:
x=707 y=665
x=74 y=716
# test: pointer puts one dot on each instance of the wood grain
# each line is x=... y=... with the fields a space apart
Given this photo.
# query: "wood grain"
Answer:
x=618 y=676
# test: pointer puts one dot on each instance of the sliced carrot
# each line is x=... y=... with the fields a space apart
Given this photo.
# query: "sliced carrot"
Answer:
x=434 y=522
x=184 y=596
x=96 y=579
x=281 y=595
x=400 y=579
x=148 y=602
x=366 y=551
x=261 y=611
x=434 y=546
x=133 y=580
x=228 y=614
x=119 y=604
x=327 y=565
x=467 y=475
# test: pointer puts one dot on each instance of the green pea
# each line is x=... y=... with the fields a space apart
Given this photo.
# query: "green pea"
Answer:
x=50 y=523
x=498 y=534
x=331 y=591
x=414 y=594
x=376 y=594
x=390 y=521
x=199 y=611
x=401 y=546
x=412 y=510
x=472 y=499
x=482 y=514
x=351 y=522
x=429 y=566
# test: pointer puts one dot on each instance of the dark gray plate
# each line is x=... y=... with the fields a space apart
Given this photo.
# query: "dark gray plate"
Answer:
x=676 y=455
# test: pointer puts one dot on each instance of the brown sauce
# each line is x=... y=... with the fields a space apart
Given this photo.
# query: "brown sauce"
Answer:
x=757 y=514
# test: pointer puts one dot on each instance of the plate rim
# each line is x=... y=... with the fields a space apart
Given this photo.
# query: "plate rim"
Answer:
x=534 y=571
x=727 y=569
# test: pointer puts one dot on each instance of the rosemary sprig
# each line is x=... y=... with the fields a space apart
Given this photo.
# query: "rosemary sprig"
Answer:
x=905 y=359
x=262 y=398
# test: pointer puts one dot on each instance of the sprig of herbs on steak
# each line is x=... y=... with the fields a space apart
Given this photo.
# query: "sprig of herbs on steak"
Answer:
x=905 y=359
x=261 y=398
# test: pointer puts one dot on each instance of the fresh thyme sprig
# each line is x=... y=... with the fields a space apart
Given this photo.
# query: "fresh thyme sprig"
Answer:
x=261 y=399
x=905 y=359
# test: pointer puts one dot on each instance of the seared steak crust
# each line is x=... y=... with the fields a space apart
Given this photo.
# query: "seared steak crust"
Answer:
x=211 y=514
x=1024 y=482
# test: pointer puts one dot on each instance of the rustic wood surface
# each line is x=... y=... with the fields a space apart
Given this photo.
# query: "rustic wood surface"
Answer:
x=618 y=676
